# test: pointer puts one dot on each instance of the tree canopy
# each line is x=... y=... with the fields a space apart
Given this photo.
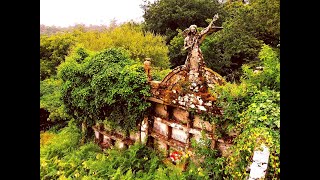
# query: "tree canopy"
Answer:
x=140 y=44
x=165 y=16
x=53 y=50
x=241 y=39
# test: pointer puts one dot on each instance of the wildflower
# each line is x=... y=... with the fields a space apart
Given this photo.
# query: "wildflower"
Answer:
x=175 y=156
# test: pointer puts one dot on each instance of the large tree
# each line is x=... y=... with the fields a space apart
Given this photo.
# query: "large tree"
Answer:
x=131 y=37
x=165 y=16
x=53 y=50
x=246 y=28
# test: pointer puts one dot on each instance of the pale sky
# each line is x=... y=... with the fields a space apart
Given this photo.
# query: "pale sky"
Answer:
x=65 y=13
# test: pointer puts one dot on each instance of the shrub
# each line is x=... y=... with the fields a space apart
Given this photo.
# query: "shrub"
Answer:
x=252 y=109
x=50 y=99
x=107 y=85
x=269 y=77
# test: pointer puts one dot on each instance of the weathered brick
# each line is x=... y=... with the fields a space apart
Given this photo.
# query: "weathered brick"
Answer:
x=144 y=136
x=120 y=145
x=144 y=131
x=199 y=123
x=123 y=134
x=96 y=134
x=161 y=145
x=106 y=139
x=179 y=135
x=135 y=136
x=161 y=110
x=160 y=127
x=181 y=115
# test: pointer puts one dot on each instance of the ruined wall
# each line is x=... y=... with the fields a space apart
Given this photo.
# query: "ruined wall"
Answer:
x=168 y=128
x=172 y=128
x=175 y=117
x=106 y=138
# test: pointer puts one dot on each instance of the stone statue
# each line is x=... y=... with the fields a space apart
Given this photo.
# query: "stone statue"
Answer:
x=194 y=62
x=147 y=67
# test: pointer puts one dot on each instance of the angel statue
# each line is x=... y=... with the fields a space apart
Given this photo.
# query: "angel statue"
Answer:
x=194 y=62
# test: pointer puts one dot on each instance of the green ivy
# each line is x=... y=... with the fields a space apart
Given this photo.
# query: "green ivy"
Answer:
x=104 y=85
x=252 y=110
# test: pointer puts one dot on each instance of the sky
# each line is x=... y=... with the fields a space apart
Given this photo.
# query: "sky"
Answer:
x=65 y=13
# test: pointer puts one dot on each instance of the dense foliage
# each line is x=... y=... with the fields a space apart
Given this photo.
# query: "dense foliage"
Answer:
x=50 y=99
x=55 y=47
x=63 y=157
x=252 y=110
x=95 y=74
x=165 y=16
x=246 y=27
x=53 y=50
x=131 y=37
x=106 y=85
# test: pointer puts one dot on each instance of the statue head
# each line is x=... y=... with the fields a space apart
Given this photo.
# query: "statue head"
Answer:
x=190 y=30
x=193 y=28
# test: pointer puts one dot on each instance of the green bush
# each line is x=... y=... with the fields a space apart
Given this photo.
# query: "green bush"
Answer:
x=62 y=143
x=165 y=16
x=252 y=109
x=159 y=75
x=212 y=164
x=50 y=99
x=137 y=161
x=53 y=50
x=62 y=156
x=269 y=77
x=104 y=85
x=249 y=140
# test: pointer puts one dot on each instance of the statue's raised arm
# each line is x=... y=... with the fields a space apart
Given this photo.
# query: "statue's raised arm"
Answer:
x=194 y=61
x=210 y=29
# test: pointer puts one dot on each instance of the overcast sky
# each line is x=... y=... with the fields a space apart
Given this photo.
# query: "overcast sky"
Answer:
x=70 y=12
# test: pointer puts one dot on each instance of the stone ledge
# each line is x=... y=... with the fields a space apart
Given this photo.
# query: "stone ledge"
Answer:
x=153 y=99
x=171 y=142
x=176 y=125
x=115 y=136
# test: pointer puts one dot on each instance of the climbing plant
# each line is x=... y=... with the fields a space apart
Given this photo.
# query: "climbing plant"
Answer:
x=106 y=85
x=251 y=109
